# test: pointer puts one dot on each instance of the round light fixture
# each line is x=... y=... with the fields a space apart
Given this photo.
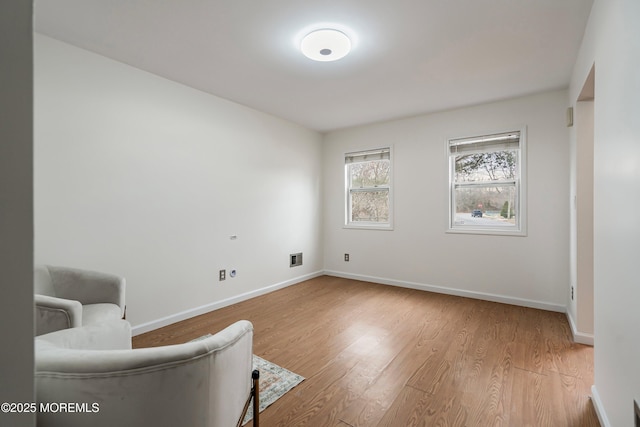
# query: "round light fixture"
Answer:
x=325 y=45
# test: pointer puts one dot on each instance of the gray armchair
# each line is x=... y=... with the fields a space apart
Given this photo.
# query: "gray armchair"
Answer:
x=206 y=383
x=68 y=298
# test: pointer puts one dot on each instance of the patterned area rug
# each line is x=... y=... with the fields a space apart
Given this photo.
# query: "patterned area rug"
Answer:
x=274 y=381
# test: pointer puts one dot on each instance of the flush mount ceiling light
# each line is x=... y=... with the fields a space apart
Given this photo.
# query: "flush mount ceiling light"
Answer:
x=325 y=45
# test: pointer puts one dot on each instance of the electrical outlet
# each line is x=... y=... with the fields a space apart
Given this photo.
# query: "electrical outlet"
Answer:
x=346 y=257
x=222 y=275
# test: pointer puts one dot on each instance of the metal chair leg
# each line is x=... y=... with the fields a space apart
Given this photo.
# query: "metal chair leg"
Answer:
x=255 y=395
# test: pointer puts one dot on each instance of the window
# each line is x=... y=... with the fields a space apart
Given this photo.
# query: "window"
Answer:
x=368 y=189
x=486 y=184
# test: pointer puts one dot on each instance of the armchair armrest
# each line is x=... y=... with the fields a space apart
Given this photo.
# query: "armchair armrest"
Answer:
x=53 y=314
x=88 y=287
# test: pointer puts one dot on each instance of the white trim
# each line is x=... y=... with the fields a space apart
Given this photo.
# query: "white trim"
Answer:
x=505 y=231
x=579 y=337
x=183 y=315
x=367 y=226
x=597 y=404
x=187 y=314
x=364 y=225
x=521 y=186
x=453 y=291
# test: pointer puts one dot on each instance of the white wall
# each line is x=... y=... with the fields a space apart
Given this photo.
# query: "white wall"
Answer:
x=16 y=209
x=612 y=42
x=146 y=178
x=531 y=270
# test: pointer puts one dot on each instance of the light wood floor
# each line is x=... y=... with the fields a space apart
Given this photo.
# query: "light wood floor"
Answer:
x=376 y=355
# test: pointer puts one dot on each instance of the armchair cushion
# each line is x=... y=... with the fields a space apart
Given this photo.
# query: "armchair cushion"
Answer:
x=96 y=313
x=114 y=335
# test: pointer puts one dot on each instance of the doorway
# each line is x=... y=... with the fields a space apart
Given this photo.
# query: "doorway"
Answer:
x=582 y=287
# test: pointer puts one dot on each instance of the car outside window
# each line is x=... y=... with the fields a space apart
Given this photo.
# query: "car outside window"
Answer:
x=486 y=188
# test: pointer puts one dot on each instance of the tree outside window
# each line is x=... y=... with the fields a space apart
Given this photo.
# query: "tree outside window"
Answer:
x=368 y=183
x=485 y=183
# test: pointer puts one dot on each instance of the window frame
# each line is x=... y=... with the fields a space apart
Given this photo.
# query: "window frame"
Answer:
x=519 y=183
x=367 y=225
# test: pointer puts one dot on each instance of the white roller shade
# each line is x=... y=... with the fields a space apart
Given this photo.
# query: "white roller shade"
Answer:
x=489 y=143
x=367 y=156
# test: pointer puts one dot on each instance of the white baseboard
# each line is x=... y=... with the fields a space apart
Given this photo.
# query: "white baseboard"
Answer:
x=183 y=315
x=597 y=404
x=579 y=337
x=453 y=291
x=159 y=323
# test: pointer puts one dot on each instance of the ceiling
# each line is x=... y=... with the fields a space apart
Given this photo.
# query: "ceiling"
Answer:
x=409 y=57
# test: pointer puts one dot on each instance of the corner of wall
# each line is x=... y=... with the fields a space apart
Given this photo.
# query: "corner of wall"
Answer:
x=579 y=337
x=599 y=407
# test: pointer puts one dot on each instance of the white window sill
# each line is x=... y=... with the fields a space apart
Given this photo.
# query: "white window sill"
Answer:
x=487 y=231
x=369 y=226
